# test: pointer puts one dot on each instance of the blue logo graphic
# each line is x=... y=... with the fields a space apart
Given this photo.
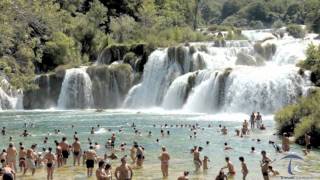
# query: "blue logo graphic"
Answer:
x=291 y=156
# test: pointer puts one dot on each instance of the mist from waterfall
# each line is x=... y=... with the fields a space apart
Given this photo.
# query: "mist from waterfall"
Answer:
x=220 y=83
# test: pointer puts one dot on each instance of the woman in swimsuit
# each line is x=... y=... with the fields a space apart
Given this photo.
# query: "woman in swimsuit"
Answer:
x=164 y=158
x=22 y=158
x=50 y=159
x=59 y=155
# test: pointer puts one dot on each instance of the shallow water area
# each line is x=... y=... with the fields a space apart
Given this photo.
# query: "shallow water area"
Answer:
x=178 y=142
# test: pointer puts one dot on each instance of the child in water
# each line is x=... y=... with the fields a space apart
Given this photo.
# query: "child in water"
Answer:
x=205 y=162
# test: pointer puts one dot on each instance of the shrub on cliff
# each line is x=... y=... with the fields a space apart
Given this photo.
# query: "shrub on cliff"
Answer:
x=301 y=118
x=296 y=31
x=312 y=63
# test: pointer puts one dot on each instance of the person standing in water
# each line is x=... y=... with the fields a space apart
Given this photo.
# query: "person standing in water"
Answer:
x=65 y=149
x=133 y=152
x=140 y=155
x=11 y=156
x=76 y=148
x=196 y=158
x=244 y=168
x=113 y=140
x=164 y=158
x=22 y=158
x=265 y=169
x=205 y=163
x=124 y=171
x=307 y=141
x=91 y=157
x=100 y=172
x=108 y=171
x=31 y=160
x=285 y=142
x=252 y=120
x=230 y=167
x=50 y=159
x=258 y=120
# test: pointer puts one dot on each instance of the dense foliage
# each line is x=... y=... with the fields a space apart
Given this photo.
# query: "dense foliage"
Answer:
x=41 y=35
x=304 y=116
x=261 y=13
x=301 y=118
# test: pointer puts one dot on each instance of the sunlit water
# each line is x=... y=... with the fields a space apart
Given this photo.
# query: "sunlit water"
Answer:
x=178 y=143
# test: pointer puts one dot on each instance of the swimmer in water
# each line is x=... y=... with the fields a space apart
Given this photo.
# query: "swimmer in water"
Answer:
x=226 y=147
x=224 y=130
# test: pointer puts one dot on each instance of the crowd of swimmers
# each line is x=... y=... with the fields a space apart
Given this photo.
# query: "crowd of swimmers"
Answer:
x=56 y=157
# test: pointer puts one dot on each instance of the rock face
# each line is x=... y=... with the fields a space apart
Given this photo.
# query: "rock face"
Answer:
x=265 y=51
x=47 y=93
x=110 y=84
x=114 y=53
x=247 y=60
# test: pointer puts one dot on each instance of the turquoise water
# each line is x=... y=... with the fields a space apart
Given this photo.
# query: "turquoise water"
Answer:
x=178 y=143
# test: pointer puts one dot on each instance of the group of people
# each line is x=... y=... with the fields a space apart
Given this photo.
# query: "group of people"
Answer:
x=256 y=121
x=30 y=159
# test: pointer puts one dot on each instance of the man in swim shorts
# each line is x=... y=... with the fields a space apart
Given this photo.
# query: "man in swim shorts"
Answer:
x=31 y=160
x=65 y=149
x=91 y=157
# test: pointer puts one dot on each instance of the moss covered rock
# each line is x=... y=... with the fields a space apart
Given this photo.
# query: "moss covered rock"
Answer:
x=46 y=94
x=110 y=84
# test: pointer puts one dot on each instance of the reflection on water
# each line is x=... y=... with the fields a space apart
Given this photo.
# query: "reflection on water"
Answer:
x=178 y=143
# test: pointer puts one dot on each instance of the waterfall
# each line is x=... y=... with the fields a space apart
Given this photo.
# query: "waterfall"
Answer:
x=76 y=90
x=9 y=97
x=203 y=78
x=161 y=69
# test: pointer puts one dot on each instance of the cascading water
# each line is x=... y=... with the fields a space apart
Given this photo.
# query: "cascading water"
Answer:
x=76 y=90
x=243 y=76
x=9 y=97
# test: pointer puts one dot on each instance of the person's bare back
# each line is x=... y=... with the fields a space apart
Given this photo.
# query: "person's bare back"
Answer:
x=11 y=153
x=164 y=157
x=91 y=154
x=22 y=154
x=76 y=146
